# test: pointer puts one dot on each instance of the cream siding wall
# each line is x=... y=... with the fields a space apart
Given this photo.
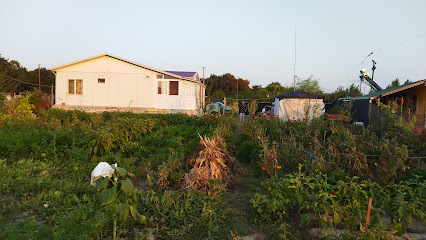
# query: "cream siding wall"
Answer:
x=125 y=85
x=185 y=100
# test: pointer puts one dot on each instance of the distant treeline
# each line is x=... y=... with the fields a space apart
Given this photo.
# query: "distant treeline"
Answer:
x=226 y=86
x=16 y=78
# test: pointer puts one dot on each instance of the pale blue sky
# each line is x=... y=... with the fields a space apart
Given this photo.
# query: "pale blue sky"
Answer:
x=253 y=40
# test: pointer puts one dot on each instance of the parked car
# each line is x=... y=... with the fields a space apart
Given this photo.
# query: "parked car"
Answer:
x=217 y=107
x=228 y=109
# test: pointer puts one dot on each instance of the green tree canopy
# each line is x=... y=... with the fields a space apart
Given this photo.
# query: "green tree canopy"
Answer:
x=341 y=92
x=354 y=91
x=227 y=83
x=16 y=78
x=394 y=83
x=310 y=85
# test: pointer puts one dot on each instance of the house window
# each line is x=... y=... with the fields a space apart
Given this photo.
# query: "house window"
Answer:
x=159 y=76
x=168 y=77
x=174 y=87
x=189 y=90
x=75 y=86
x=71 y=86
x=162 y=87
x=101 y=80
x=79 y=86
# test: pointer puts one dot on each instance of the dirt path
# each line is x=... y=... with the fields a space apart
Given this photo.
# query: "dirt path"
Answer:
x=239 y=199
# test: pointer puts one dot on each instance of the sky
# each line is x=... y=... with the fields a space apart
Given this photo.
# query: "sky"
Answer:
x=253 y=40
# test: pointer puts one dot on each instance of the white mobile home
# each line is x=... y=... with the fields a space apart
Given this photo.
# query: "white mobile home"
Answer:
x=108 y=82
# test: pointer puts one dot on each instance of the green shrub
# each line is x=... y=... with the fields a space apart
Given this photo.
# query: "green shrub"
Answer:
x=122 y=130
x=21 y=111
x=248 y=150
x=339 y=203
x=183 y=215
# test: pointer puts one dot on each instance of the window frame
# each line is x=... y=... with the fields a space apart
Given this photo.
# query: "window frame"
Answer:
x=71 y=86
x=77 y=92
x=165 y=89
x=74 y=87
x=188 y=90
x=172 y=90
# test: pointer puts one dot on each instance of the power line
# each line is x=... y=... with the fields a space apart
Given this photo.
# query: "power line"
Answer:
x=34 y=84
x=248 y=99
x=413 y=38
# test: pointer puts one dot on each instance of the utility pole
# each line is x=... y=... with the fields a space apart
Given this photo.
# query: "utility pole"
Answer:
x=237 y=89
x=51 y=97
x=204 y=83
x=39 y=82
x=204 y=80
x=372 y=77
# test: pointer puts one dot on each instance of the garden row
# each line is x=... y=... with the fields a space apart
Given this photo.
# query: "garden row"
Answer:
x=323 y=173
x=46 y=163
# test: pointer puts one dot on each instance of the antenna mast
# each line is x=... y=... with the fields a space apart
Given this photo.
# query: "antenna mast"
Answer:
x=362 y=67
x=294 y=76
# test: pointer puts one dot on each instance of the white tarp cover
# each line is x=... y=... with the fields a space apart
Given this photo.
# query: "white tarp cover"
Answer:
x=298 y=108
x=103 y=169
x=213 y=107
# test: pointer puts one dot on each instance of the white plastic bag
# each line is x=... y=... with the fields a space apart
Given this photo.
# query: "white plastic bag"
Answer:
x=103 y=169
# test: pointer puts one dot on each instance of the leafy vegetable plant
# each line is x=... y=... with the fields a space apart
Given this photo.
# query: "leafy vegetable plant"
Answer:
x=118 y=197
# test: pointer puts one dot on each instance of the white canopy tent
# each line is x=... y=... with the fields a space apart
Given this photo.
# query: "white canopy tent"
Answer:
x=298 y=105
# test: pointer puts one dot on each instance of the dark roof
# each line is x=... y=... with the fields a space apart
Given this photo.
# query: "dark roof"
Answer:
x=300 y=94
x=391 y=90
x=183 y=74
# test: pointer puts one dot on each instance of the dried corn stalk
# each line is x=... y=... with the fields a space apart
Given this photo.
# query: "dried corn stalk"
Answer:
x=210 y=164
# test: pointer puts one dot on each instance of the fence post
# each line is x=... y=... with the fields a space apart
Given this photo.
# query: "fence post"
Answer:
x=368 y=213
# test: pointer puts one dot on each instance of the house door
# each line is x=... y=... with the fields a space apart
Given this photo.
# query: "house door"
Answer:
x=161 y=97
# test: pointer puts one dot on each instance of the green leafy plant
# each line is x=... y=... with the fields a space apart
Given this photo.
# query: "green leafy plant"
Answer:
x=252 y=107
x=20 y=112
x=117 y=196
x=188 y=214
x=340 y=203
x=122 y=130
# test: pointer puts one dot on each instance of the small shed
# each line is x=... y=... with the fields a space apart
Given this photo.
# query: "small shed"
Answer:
x=410 y=97
x=298 y=105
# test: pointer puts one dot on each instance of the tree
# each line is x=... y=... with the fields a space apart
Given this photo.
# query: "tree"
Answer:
x=407 y=82
x=227 y=83
x=275 y=88
x=354 y=91
x=339 y=93
x=256 y=88
x=394 y=83
x=351 y=91
x=218 y=94
x=310 y=85
x=16 y=78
